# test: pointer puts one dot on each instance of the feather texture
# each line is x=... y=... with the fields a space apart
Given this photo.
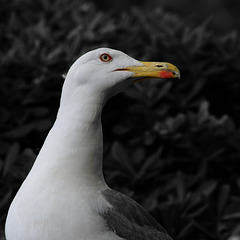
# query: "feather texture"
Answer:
x=129 y=220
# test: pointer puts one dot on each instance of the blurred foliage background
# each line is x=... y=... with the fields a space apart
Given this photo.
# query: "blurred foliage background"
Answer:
x=173 y=146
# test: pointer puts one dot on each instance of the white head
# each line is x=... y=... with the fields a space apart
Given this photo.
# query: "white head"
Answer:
x=106 y=71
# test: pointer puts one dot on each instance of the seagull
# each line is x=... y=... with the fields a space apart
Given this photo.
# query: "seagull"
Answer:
x=65 y=195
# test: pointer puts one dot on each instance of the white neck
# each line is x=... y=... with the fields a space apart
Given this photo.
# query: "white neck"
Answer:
x=74 y=145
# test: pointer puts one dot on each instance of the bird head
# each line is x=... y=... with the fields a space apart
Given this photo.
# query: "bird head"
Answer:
x=107 y=71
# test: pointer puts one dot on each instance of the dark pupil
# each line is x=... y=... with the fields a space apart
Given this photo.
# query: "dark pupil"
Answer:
x=105 y=57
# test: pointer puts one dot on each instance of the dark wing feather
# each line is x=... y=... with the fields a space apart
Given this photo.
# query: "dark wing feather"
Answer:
x=129 y=220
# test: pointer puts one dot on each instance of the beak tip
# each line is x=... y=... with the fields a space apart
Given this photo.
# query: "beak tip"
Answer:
x=177 y=74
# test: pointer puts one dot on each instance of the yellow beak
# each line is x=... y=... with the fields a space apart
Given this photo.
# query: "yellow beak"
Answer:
x=154 y=70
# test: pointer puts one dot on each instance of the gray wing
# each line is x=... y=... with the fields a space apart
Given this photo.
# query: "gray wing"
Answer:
x=129 y=220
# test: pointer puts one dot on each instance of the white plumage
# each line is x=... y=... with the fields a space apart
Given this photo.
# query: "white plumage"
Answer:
x=65 y=196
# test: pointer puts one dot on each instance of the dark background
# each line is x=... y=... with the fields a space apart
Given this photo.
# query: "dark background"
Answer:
x=173 y=146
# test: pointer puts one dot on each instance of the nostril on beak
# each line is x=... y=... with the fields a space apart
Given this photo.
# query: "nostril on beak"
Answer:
x=159 y=66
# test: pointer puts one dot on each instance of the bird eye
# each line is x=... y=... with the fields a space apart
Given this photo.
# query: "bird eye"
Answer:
x=105 y=57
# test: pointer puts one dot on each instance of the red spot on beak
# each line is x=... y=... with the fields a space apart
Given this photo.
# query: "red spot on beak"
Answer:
x=166 y=74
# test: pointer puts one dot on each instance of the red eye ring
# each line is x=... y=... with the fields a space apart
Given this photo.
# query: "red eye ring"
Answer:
x=105 y=57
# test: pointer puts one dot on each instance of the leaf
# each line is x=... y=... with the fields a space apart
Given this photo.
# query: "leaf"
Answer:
x=138 y=156
x=232 y=216
x=203 y=113
x=180 y=187
x=196 y=199
x=119 y=153
x=11 y=157
x=149 y=162
x=164 y=90
x=5 y=199
x=196 y=88
x=199 y=211
x=208 y=187
x=204 y=230
x=121 y=129
x=223 y=198
x=187 y=229
x=19 y=132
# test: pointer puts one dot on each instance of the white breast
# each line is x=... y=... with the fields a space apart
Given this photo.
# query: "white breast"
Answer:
x=55 y=214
